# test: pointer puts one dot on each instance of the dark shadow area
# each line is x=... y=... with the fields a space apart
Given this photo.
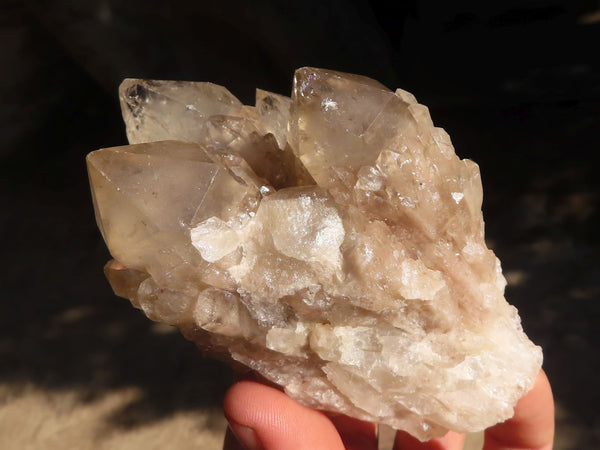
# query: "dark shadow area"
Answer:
x=517 y=87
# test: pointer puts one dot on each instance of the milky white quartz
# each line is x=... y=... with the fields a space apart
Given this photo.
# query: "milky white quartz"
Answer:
x=333 y=242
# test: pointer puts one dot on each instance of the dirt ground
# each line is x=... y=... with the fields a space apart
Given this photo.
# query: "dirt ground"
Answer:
x=82 y=369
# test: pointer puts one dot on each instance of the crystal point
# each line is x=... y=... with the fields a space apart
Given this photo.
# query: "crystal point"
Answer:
x=157 y=110
x=331 y=241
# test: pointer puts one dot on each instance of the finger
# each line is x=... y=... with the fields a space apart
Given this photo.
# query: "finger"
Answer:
x=532 y=426
x=262 y=417
x=450 y=441
x=356 y=434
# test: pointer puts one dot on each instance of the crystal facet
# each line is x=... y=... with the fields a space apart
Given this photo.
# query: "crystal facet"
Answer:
x=333 y=242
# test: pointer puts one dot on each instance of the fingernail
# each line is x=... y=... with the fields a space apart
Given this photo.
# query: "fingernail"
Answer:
x=245 y=435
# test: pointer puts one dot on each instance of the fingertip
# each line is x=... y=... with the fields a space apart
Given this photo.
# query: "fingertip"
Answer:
x=275 y=420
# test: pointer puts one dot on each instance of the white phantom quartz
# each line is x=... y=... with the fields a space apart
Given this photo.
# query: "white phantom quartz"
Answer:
x=333 y=242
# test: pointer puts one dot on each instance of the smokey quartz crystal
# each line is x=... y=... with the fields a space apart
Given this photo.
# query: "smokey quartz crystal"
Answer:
x=332 y=241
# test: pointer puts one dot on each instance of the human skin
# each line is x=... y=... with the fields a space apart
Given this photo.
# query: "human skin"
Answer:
x=262 y=417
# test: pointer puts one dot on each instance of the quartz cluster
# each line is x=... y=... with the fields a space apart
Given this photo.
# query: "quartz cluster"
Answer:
x=331 y=241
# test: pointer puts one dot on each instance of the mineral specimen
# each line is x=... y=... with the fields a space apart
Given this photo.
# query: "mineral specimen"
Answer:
x=332 y=242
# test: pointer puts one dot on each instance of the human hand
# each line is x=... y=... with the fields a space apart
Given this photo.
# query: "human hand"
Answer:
x=262 y=417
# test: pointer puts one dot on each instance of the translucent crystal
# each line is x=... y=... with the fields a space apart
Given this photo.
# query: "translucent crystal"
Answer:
x=160 y=110
x=333 y=242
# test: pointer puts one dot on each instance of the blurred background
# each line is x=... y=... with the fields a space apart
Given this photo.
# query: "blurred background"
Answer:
x=515 y=83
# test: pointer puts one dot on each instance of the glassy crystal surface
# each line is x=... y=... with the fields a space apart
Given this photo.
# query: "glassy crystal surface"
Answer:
x=331 y=241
